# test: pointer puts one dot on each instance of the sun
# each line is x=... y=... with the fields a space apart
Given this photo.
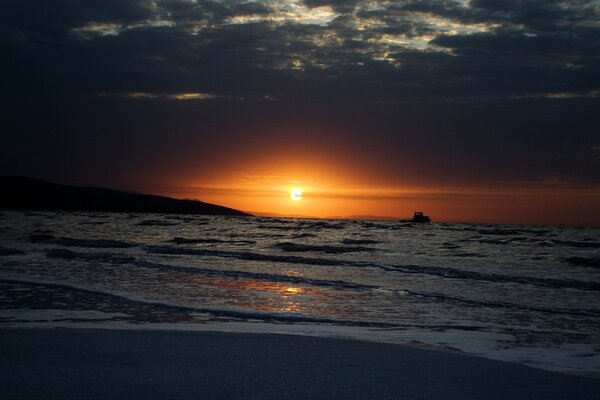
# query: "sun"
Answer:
x=296 y=194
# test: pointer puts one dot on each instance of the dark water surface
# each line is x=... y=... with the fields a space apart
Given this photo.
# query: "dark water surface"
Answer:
x=520 y=293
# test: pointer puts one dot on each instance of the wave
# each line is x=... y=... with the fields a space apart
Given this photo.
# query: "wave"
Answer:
x=98 y=257
x=298 y=280
x=94 y=243
x=540 y=242
x=257 y=315
x=41 y=238
x=244 y=255
x=478 y=303
x=240 y=314
x=468 y=255
x=450 y=246
x=155 y=222
x=495 y=230
x=342 y=285
x=593 y=262
x=446 y=226
x=448 y=273
x=301 y=235
x=500 y=231
x=198 y=221
x=504 y=241
x=180 y=240
x=303 y=224
x=322 y=225
x=6 y=251
x=275 y=227
x=297 y=247
x=71 y=242
x=580 y=244
x=277 y=220
x=373 y=225
x=359 y=241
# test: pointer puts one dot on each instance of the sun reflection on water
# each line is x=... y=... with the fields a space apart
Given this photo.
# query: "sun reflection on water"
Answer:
x=263 y=296
x=293 y=290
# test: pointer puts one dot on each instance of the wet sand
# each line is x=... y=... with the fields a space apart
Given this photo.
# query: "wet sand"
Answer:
x=113 y=364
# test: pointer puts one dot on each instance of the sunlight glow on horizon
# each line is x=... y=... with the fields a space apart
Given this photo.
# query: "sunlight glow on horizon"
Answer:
x=333 y=185
x=271 y=195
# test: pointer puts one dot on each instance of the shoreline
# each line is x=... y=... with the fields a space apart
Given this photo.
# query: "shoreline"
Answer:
x=40 y=320
x=97 y=364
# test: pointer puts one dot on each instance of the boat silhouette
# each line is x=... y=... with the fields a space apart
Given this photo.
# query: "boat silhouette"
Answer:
x=418 y=217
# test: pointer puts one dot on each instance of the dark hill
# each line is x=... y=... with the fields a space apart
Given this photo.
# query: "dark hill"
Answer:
x=28 y=193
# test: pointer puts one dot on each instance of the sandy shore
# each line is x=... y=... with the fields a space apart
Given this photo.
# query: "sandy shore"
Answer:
x=98 y=364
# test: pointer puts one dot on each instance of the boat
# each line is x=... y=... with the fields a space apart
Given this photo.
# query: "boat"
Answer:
x=420 y=217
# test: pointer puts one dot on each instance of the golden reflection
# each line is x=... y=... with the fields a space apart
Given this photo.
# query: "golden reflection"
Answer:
x=279 y=297
x=265 y=296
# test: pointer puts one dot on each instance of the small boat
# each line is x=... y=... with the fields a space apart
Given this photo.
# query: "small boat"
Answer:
x=419 y=217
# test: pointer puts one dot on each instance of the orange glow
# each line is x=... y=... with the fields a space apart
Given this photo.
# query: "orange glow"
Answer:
x=333 y=188
x=521 y=205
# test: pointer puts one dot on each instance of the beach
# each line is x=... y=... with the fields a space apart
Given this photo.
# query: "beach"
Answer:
x=115 y=364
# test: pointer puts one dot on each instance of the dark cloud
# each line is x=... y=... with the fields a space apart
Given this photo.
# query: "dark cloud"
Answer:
x=245 y=44
x=487 y=79
x=342 y=6
x=35 y=21
x=540 y=15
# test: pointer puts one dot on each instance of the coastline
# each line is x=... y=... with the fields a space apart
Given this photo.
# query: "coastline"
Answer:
x=99 y=364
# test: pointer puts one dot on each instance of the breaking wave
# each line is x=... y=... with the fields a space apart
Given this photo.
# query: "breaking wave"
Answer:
x=297 y=247
x=180 y=240
x=449 y=273
x=89 y=257
x=71 y=242
x=298 y=280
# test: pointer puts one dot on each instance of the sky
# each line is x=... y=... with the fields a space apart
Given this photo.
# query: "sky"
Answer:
x=474 y=111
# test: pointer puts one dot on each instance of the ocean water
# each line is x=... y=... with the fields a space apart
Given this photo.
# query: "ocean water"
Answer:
x=517 y=293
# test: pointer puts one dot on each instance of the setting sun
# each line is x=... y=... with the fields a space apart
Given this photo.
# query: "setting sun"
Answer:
x=296 y=194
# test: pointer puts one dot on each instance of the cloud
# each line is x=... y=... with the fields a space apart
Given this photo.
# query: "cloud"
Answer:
x=397 y=49
x=165 y=96
x=562 y=95
x=424 y=73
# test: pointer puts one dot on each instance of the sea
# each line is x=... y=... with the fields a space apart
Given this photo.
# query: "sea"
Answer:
x=525 y=294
